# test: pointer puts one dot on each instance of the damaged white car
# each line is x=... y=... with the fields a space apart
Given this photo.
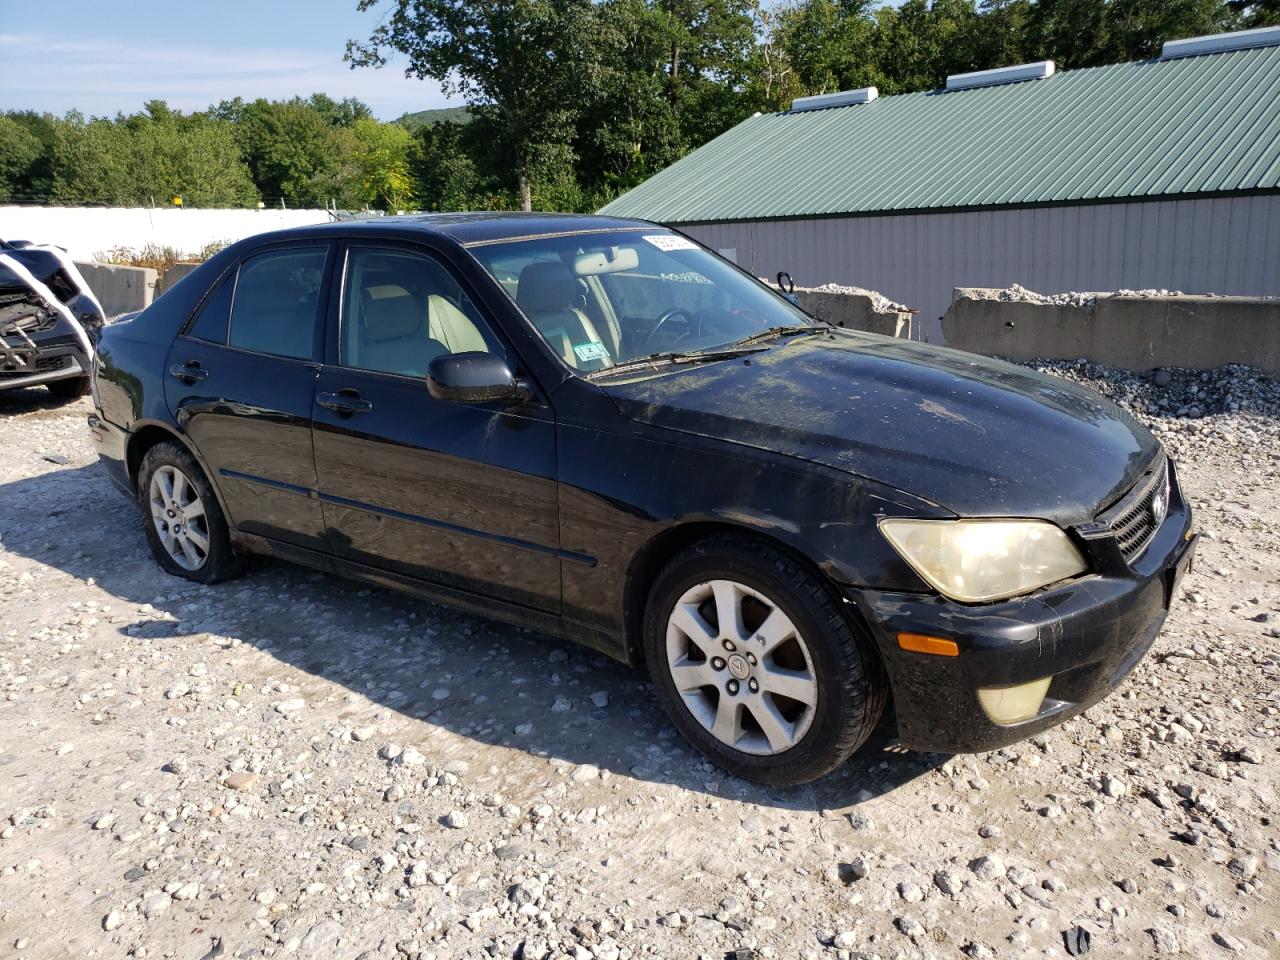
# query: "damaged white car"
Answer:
x=49 y=321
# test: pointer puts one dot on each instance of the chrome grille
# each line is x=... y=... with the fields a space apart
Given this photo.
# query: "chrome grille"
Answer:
x=1133 y=521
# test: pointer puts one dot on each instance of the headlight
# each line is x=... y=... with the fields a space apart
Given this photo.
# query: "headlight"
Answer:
x=979 y=560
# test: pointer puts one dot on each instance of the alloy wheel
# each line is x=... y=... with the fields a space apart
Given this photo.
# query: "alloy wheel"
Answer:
x=741 y=667
x=179 y=517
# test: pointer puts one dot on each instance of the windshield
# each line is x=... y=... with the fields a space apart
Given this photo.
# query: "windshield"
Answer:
x=603 y=299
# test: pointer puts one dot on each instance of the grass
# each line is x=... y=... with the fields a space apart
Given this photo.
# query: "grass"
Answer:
x=156 y=256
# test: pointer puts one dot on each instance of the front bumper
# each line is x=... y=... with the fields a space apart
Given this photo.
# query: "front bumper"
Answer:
x=40 y=357
x=1087 y=635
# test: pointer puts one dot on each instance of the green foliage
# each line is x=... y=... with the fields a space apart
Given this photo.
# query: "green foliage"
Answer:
x=150 y=157
x=518 y=63
x=382 y=152
x=20 y=151
x=293 y=151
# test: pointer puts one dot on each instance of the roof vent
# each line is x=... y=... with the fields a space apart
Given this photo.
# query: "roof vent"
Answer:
x=844 y=98
x=1221 y=43
x=992 y=78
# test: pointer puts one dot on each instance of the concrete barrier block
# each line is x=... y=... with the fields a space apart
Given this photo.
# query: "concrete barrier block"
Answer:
x=853 y=311
x=1018 y=331
x=173 y=275
x=119 y=288
x=1188 y=331
x=1131 y=333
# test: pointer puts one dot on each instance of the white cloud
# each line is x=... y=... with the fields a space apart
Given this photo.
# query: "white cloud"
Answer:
x=103 y=77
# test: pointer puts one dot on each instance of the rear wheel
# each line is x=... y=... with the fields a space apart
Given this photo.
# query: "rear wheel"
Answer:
x=69 y=389
x=185 y=527
x=757 y=664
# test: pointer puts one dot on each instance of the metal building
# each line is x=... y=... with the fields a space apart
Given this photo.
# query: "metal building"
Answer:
x=1158 y=174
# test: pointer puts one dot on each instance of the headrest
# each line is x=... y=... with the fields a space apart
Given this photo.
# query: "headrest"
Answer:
x=546 y=285
x=390 y=317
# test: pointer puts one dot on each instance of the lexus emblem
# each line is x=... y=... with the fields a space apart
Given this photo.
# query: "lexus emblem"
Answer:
x=1159 y=503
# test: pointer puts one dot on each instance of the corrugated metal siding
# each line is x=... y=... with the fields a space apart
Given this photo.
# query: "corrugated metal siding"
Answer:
x=1227 y=245
x=1206 y=124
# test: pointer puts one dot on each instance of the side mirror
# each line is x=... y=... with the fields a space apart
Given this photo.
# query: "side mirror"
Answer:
x=473 y=378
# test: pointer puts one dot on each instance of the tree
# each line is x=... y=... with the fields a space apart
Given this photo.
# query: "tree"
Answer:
x=1250 y=15
x=1000 y=34
x=522 y=64
x=31 y=178
x=1138 y=28
x=149 y=157
x=628 y=128
x=292 y=150
x=831 y=44
x=20 y=151
x=382 y=152
x=443 y=166
x=1072 y=33
x=711 y=43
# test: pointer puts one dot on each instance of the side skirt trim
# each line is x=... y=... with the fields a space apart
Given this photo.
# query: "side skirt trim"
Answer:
x=569 y=555
x=488 y=607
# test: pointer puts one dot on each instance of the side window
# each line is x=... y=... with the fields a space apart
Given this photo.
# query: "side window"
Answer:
x=211 y=322
x=401 y=310
x=276 y=301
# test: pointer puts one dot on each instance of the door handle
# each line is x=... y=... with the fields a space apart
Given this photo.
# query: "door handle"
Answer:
x=188 y=372
x=344 y=402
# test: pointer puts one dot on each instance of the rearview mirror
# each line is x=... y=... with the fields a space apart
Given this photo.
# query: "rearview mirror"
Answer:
x=613 y=260
x=473 y=377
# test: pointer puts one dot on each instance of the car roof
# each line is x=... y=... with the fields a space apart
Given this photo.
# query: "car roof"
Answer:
x=466 y=228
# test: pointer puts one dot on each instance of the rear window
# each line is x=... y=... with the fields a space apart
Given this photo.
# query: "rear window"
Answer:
x=275 y=307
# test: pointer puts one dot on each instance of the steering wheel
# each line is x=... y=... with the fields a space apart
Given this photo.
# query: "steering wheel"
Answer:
x=689 y=319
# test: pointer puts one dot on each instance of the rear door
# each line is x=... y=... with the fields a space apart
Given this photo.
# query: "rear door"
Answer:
x=241 y=379
x=461 y=494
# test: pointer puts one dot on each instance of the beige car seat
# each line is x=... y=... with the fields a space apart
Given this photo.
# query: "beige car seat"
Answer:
x=452 y=327
x=393 y=336
x=548 y=295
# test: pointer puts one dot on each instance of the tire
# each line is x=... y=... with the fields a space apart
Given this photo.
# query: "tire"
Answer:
x=71 y=388
x=207 y=556
x=829 y=660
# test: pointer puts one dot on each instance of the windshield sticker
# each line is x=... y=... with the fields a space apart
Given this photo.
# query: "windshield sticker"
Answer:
x=669 y=241
x=591 y=351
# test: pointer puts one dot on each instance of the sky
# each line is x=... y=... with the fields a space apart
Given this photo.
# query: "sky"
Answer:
x=102 y=57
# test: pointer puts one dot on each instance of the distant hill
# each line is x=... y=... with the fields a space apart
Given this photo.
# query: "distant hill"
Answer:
x=413 y=121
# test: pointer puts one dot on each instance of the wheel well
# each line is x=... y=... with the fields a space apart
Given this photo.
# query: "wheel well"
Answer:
x=140 y=443
x=659 y=551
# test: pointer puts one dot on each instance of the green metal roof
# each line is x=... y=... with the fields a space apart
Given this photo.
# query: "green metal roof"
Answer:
x=1206 y=124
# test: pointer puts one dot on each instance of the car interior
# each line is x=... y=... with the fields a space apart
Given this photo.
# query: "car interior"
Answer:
x=605 y=300
x=557 y=303
x=401 y=311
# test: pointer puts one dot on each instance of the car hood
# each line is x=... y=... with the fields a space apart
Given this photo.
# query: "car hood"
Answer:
x=977 y=436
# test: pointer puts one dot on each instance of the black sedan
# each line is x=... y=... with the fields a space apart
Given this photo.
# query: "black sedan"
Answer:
x=600 y=429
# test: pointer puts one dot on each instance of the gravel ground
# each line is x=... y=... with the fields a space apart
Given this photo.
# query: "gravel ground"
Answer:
x=295 y=765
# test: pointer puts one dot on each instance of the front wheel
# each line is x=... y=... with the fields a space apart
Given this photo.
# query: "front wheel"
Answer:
x=757 y=664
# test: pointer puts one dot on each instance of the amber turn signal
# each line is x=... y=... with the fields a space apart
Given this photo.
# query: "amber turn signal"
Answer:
x=920 y=643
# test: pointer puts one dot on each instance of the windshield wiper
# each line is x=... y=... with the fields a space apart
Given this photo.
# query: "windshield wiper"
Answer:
x=696 y=356
x=786 y=330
